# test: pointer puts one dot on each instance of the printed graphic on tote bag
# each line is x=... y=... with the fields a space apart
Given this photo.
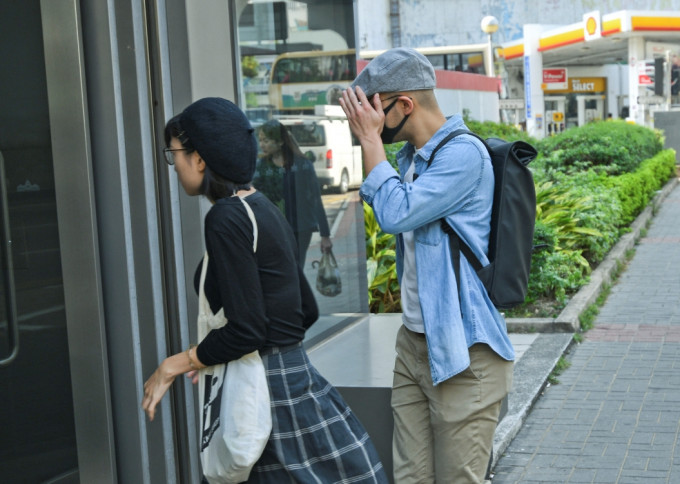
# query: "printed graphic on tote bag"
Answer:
x=211 y=408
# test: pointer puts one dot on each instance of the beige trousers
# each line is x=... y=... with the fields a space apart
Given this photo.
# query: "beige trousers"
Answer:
x=444 y=434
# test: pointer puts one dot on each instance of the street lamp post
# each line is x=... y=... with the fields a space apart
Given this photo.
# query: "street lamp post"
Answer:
x=489 y=26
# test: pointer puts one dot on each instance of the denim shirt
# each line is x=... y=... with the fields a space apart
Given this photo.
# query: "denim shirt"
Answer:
x=458 y=185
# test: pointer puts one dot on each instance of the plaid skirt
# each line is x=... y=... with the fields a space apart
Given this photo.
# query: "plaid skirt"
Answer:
x=315 y=436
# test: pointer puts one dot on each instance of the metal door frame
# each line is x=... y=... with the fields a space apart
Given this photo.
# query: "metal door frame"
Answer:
x=77 y=222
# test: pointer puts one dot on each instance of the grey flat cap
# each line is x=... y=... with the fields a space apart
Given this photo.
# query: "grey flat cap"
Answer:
x=398 y=69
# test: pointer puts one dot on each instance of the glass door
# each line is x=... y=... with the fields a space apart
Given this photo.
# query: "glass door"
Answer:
x=37 y=432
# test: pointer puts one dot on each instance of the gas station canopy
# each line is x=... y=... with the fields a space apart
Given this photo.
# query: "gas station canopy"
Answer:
x=598 y=40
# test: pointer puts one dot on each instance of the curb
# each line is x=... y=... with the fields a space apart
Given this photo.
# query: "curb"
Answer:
x=567 y=320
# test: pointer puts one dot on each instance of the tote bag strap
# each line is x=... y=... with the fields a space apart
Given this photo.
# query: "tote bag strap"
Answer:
x=254 y=222
x=204 y=306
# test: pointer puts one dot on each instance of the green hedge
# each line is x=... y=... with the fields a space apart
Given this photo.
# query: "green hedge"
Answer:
x=635 y=190
x=612 y=147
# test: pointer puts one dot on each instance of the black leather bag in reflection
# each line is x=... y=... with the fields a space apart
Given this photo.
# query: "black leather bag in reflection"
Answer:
x=328 y=280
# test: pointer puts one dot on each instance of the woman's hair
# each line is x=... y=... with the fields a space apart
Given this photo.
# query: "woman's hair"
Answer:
x=276 y=131
x=214 y=186
x=173 y=129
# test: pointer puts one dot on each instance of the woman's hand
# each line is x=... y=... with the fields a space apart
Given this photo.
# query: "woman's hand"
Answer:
x=159 y=383
x=193 y=375
x=155 y=387
x=326 y=245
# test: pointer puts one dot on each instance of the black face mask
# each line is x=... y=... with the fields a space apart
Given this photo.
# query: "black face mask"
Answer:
x=388 y=134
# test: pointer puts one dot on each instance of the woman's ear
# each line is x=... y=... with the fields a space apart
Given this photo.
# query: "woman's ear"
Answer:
x=200 y=164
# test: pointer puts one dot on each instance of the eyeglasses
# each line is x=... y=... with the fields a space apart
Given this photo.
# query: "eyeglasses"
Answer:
x=391 y=97
x=170 y=154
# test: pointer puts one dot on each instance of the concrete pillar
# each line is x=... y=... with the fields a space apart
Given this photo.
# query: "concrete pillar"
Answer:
x=636 y=55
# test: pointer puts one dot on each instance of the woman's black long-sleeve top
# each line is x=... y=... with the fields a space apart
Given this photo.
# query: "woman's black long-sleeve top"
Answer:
x=266 y=298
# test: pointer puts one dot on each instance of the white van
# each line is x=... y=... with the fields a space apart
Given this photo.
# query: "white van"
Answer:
x=325 y=138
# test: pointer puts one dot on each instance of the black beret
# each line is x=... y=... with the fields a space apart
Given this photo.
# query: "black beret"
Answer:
x=222 y=136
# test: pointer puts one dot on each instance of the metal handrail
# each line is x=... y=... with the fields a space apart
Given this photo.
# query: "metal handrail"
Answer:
x=10 y=288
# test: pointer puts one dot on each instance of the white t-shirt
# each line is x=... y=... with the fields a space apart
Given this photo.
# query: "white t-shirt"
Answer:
x=412 y=316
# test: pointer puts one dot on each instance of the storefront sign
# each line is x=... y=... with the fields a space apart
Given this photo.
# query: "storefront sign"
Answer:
x=554 y=79
x=583 y=85
x=645 y=71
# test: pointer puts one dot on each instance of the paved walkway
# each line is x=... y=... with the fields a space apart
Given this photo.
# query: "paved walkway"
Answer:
x=615 y=416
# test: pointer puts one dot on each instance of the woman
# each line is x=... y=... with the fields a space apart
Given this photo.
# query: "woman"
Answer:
x=267 y=302
x=288 y=179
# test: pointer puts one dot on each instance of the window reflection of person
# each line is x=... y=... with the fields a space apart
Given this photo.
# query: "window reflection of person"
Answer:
x=288 y=179
x=675 y=78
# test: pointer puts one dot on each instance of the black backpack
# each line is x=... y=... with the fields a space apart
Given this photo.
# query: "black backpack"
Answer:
x=513 y=214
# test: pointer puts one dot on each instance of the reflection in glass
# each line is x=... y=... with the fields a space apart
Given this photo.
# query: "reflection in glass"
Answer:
x=296 y=56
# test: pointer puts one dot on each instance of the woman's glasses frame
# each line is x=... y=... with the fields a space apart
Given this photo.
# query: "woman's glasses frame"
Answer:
x=169 y=154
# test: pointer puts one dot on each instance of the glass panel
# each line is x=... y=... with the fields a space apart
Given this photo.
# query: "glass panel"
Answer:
x=437 y=61
x=453 y=62
x=473 y=62
x=37 y=436
x=296 y=58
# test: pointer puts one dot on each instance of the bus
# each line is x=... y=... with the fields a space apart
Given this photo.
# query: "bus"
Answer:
x=472 y=58
x=299 y=81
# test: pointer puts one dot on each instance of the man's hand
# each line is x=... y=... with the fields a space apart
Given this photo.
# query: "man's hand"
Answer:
x=366 y=120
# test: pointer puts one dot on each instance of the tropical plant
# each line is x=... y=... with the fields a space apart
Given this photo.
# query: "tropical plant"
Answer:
x=384 y=295
x=557 y=208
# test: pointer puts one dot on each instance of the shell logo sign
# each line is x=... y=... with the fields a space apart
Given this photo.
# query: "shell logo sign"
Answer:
x=592 y=26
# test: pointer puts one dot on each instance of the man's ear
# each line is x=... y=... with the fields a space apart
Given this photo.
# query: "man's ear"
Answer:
x=407 y=104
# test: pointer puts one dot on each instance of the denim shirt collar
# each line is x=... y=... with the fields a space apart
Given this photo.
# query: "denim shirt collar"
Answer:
x=407 y=152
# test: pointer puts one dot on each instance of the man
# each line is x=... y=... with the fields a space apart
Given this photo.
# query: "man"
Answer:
x=454 y=356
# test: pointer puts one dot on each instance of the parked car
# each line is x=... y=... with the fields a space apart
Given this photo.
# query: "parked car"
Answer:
x=325 y=138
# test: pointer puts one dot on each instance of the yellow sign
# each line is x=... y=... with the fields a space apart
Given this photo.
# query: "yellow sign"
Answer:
x=583 y=85
x=558 y=116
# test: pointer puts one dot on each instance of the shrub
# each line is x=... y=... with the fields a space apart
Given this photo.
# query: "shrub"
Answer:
x=635 y=190
x=613 y=147
x=489 y=129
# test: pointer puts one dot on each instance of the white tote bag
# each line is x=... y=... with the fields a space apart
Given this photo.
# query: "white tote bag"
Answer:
x=235 y=415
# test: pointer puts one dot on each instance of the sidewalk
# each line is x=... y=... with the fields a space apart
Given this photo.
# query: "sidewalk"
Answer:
x=615 y=415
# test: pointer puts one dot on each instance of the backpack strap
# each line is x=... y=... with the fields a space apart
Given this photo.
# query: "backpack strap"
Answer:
x=456 y=244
